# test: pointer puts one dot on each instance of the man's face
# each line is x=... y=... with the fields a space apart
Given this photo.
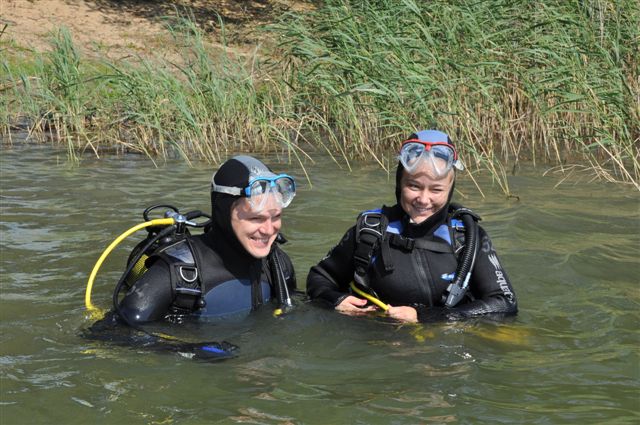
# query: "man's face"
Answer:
x=256 y=231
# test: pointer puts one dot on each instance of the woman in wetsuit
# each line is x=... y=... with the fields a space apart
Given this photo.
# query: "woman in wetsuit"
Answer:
x=235 y=266
x=412 y=264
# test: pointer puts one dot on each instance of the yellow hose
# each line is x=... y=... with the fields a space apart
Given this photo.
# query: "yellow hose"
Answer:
x=95 y=312
x=369 y=297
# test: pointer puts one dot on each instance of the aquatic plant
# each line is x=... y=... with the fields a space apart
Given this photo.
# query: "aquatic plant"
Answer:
x=554 y=83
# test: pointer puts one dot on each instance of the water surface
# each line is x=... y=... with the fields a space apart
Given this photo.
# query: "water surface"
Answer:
x=570 y=356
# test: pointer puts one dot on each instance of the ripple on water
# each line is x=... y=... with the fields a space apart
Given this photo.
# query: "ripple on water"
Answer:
x=569 y=357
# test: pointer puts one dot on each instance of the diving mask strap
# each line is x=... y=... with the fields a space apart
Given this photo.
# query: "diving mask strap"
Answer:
x=457 y=163
x=229 y=190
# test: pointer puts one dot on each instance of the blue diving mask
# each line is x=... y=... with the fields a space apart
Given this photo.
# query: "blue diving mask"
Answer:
x=281 y=188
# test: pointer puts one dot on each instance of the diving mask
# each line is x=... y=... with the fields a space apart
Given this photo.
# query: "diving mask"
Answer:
x=281 y=188
x=441 y=156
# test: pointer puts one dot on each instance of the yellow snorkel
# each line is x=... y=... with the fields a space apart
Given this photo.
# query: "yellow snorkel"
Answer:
x=369 y=297
x=96 y=313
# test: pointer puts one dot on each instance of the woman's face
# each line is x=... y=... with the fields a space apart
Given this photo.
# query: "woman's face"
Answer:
x=256 y=231
x=422 y=194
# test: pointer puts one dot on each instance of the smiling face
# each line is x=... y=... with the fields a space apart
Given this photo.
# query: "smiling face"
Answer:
x=256 y=231
x=423 y=193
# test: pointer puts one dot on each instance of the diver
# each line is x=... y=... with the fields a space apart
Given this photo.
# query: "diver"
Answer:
x=424 y=258
x=235 y=267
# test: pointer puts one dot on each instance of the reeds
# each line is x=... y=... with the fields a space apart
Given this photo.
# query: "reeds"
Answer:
x=200 y=104
x=551 y=81
x=554 y=82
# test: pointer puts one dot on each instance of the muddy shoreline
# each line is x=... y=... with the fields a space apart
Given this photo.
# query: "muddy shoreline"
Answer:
x=115 y=28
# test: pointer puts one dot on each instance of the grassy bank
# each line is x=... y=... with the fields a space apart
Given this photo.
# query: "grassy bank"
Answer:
x=554 y=82
x=198 y=105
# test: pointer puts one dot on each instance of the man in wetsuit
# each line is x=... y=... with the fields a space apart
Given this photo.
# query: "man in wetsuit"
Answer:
x=235 y=266
x=412 y=264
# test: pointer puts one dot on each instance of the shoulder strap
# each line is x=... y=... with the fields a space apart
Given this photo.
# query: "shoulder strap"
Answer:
x=371 y=229
x=183 y=260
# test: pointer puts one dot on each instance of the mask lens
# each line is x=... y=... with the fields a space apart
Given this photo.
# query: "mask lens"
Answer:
x=259 y=187
x=286 y=188
x=257 y=194
x=410 y=155
x=442 y=158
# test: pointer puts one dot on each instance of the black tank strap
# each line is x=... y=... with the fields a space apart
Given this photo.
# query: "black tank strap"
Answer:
x=186 y=278
x=371 y=229
x=435 y=246
x=409 y=244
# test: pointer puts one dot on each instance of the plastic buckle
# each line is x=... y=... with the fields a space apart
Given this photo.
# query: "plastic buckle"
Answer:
x=410 y=243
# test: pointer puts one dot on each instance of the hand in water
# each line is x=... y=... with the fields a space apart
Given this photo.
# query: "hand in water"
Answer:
x=403 y=313
x=354 y=306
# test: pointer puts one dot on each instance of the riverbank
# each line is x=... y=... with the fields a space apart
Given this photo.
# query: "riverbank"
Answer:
x=117 y=28
x=557 y=85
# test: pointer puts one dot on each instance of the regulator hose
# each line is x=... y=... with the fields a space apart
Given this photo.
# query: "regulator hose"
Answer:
x=284 y=299
x=94 y=311
x=458 y=287
x=198 y=350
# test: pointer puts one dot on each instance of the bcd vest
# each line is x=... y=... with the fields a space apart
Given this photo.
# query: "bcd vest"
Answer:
x=406 y=271
x=207 y=288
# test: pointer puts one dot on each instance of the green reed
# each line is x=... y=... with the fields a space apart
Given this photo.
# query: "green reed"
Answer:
x=200 y=103
x=550 y=81
x=554 y=82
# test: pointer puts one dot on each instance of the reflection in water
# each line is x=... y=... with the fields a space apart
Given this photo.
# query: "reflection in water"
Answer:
x=569 y=357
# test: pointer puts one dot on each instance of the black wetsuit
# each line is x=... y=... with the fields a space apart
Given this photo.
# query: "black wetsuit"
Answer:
x=210 y=275
x=420 y=276
x=233 y=282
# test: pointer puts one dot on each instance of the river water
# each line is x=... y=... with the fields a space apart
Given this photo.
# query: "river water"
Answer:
x=570 y=356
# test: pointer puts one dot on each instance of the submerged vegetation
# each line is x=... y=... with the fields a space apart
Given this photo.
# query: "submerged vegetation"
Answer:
x=555 y=82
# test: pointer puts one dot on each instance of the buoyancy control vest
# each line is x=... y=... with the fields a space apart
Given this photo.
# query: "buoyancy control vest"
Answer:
x=208 y=289
x=402 y=270
x=196 y=283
